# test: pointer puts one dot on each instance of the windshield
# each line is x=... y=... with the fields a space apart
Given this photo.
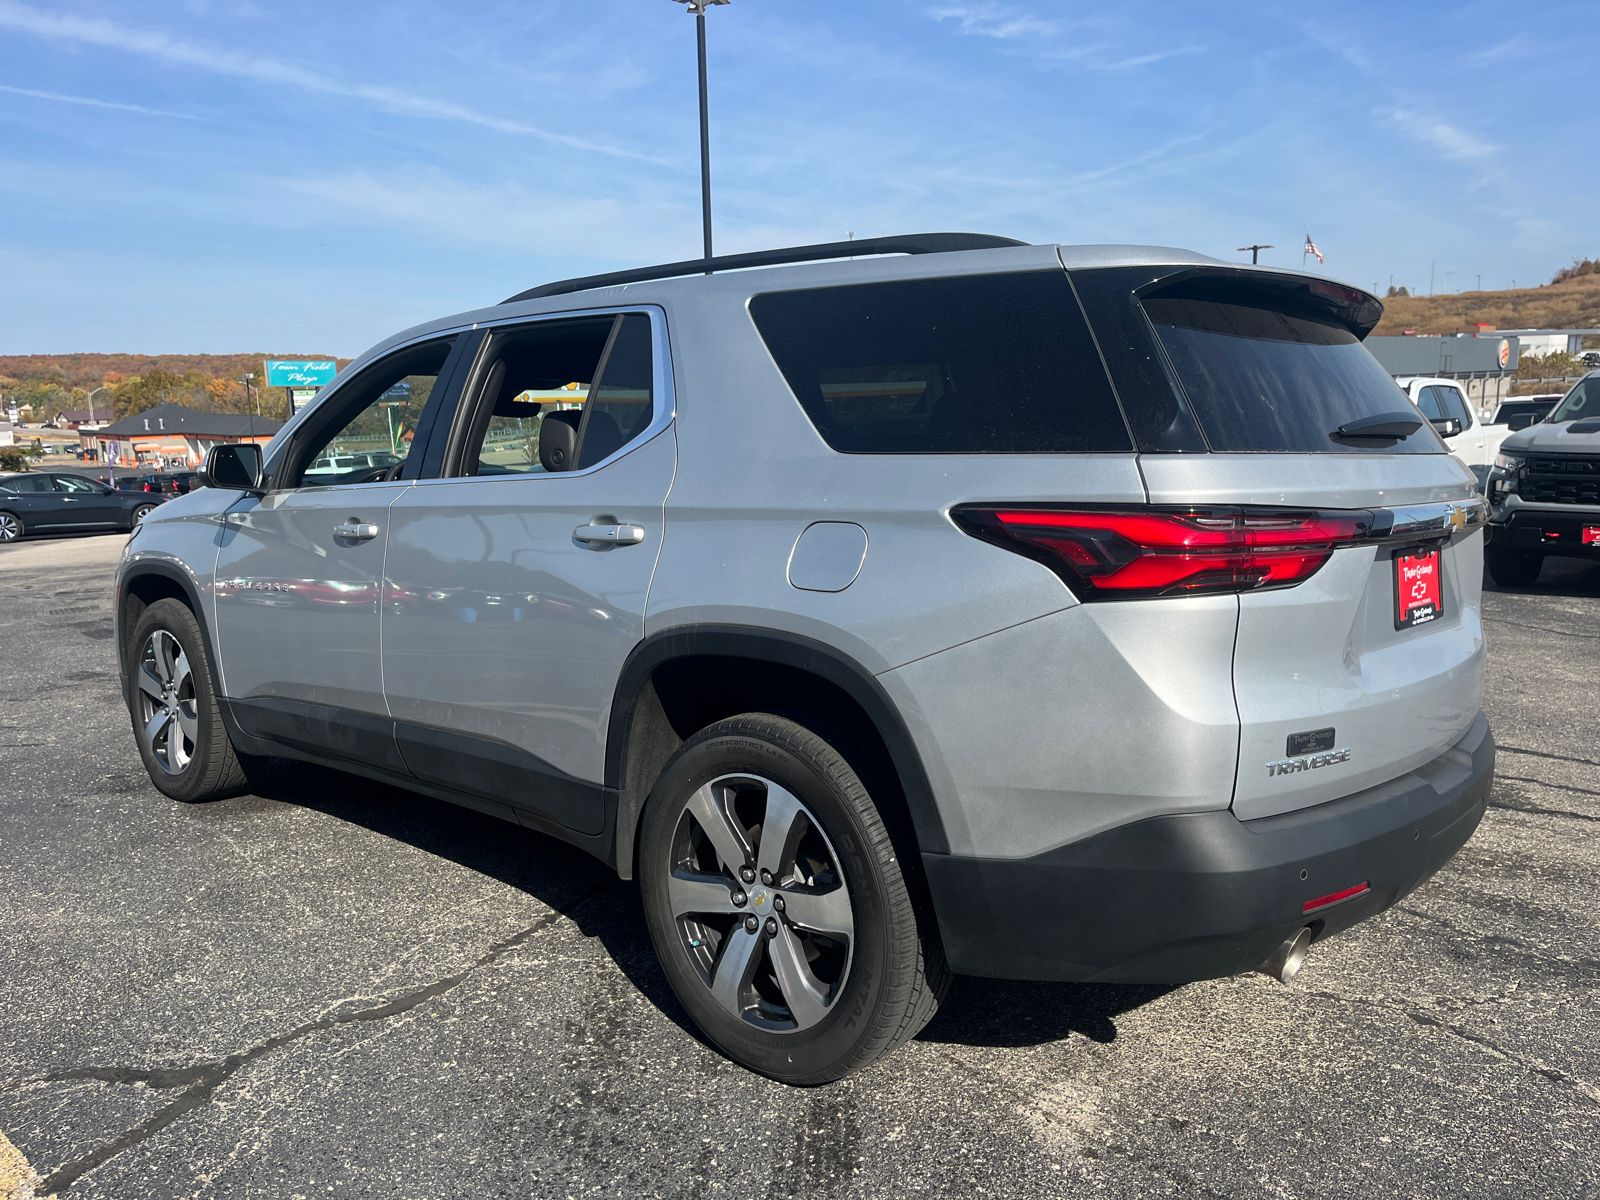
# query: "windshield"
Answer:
x=1582 y=401
x=1265 y=376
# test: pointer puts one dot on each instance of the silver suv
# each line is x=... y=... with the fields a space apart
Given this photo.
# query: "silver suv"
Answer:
x=1063 y=613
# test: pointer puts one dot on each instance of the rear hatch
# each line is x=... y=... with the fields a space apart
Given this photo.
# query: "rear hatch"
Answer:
x=1365 y=660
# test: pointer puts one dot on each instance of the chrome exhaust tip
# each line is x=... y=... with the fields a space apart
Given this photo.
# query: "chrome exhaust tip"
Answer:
x=1285 y=962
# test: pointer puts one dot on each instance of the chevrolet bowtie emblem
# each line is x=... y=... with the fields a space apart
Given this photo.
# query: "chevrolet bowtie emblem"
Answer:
x=1457 y=520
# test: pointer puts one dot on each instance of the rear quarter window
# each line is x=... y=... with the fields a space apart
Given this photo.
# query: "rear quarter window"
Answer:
x=977 y=364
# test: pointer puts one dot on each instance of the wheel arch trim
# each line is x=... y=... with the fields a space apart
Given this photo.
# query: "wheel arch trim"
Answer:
x=174 y=573
x=777 y=648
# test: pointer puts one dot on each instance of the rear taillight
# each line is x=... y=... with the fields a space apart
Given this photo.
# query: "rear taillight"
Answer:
x=1134 y=553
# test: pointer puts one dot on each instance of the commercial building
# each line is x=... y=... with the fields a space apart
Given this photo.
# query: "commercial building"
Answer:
x=1541 y=342
x=171 y=436
x=1483 y=364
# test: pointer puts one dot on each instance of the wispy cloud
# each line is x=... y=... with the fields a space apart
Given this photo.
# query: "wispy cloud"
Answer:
x=1143 y=60
x=133 y=108
x=1450 y=141
x=97 y=31
x=1520 y=46
x=993 y=20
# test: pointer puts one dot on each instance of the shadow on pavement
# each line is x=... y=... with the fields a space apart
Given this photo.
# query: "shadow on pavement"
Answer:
x=978 y=1012
x=1560 y=577
x=563 y=877
x=1015 y=1013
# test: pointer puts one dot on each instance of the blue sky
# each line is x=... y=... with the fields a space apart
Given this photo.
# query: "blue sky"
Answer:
x=236 y=175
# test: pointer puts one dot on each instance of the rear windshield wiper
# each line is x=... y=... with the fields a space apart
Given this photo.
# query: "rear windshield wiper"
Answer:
x=1384 y=427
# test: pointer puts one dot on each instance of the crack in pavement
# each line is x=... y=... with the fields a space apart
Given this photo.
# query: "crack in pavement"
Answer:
x=1541 y=754
x=1560 y=787
x=1536 y=810
x=202 y=1081
x=1527 y=1061
x=1541 y=628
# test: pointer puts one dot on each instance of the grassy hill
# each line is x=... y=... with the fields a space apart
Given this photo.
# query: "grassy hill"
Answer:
x=1569 y=304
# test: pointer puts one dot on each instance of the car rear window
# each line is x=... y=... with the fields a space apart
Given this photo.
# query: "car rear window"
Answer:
x=1265 y=374
x=977 y=364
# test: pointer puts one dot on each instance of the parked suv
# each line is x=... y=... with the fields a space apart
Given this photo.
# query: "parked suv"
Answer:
x=1545 y=488
x=1061 y=613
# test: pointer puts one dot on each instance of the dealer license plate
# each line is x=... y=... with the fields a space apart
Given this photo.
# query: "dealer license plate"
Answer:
x=1591 y=535
x=1418 y=591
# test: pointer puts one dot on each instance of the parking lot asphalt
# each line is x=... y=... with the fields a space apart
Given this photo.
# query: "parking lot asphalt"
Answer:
x=333 y=988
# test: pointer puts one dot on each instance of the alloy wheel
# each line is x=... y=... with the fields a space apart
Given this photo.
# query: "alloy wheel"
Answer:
x=168 y=715
x=760 y=903
x=10 y=528
x=143 y=511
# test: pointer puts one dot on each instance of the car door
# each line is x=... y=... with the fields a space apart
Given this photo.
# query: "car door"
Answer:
x=35 y=500
x=517 y=578
x=90 y=504
x=300 y=569
x=1470 y=444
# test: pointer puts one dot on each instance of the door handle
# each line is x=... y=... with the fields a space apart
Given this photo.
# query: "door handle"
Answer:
x=611 y=535
x=355 y=531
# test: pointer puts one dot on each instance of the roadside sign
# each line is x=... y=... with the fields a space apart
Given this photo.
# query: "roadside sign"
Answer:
x=300 y=397
x=313 y=372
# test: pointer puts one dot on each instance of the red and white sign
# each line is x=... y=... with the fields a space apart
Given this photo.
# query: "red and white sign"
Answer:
x=1418 y=592
x=1591 y=535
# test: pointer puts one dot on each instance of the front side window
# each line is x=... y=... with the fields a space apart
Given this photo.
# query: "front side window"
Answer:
x=74 y=483
x=1582 y=401
x=559 y=396
x=977 y=364
x=1264 y=373
x=371 y=434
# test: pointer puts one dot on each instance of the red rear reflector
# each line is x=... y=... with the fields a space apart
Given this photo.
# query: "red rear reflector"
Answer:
x=1359 y=889
x=1112 y=554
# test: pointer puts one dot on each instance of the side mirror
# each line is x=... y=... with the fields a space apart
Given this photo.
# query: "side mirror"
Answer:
x=1448 y=427
x=234 y=465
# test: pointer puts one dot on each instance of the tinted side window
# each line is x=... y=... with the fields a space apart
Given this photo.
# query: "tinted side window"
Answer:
x=621 y=407
x=979 y=364
x=29 y=483
x=1428 y=404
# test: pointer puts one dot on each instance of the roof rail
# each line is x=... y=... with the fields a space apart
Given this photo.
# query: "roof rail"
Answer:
x=909 y=243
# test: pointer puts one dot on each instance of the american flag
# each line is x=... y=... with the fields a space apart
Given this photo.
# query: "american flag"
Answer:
x=1311 y=248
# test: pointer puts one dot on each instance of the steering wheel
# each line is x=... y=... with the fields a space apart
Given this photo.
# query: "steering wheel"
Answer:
x=380 y=474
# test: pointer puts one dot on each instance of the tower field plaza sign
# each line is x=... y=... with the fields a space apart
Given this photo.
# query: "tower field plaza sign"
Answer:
x=300 y=373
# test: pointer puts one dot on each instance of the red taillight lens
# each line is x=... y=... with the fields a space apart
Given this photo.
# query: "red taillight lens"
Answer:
x=1131 y=553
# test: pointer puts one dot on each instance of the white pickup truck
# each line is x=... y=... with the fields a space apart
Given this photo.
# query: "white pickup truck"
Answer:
x=1447 y=409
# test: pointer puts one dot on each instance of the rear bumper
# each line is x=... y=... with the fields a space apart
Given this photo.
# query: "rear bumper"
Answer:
x=1547 y=531
x=1192 y=896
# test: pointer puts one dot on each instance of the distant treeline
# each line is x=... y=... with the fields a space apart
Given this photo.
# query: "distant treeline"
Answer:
x=125 y=384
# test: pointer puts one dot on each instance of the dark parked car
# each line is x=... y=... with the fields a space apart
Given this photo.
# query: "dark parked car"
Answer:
x=41 y=502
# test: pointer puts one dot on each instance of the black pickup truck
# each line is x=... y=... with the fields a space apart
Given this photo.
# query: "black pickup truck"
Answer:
x=1544 y=489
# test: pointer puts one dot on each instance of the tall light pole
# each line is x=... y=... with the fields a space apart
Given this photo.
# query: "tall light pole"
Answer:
x=1255 y=252
x=697 y=8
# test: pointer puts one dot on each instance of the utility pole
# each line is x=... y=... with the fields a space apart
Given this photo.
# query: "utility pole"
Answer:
x=1430 y=277
x=1255 y=253
x=697 y=8
x=1479 y=288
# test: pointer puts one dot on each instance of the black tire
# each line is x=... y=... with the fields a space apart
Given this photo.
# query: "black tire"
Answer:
x=11 y=527
x=190 y=769
x=893 y=973
x=1513 y=568
x=139 y=513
